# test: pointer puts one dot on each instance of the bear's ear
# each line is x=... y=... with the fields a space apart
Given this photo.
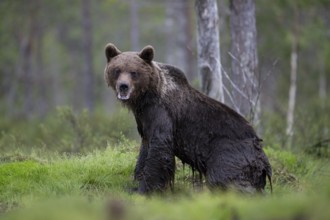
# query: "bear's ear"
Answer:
x=147 y=53
x=111 y=51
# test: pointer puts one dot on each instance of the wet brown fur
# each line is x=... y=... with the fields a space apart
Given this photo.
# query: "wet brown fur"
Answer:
x=176 y=120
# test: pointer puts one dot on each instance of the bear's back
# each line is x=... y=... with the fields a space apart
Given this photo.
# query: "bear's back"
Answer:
x=197 y=113
x=174 y=73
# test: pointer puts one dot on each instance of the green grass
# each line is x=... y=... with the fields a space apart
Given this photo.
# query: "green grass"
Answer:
x=90 y=186
x=99 y=171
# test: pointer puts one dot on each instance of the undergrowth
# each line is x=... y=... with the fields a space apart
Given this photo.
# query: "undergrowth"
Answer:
x=66 y=131
x=96 y=184
x=80 y=166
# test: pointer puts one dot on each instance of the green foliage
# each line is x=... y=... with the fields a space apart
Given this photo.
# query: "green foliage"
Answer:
x=275 y=20
x=94 y=174
x=311 y=133
x=66 y=131
x=92 y=186
x=312 y=125
x=290 y=171
x=74 y=208
x=68 y=164
x=200 y=206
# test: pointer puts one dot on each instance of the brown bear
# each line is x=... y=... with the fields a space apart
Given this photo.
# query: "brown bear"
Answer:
x=176 y=120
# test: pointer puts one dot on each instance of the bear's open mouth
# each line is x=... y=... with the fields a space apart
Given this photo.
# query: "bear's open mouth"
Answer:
x=121 y=96
x=124 y=95
x=124 y=91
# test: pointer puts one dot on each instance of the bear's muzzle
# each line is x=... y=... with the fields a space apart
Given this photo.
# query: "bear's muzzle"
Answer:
x=123 y=90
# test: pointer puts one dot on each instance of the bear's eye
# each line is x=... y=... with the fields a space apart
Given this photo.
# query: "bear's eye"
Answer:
x=116 y=72
x=134 y=75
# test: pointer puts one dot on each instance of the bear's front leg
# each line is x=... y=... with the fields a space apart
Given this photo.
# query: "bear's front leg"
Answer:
x=138 y=171
x=158 y=172
x=159 y=164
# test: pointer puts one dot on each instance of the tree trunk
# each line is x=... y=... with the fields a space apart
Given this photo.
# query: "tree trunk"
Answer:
x=322 y=81
x=135 y=34
x=41 y=79
x=188 y=30
x=43 y=101
x=20 y=94
x=293 y=80
x=224 y=13
x=88 y=53
x=244 y=58
x=170 y=28
x=27 y=79
x=292 y=91
x=208 y=47
x=179 y=35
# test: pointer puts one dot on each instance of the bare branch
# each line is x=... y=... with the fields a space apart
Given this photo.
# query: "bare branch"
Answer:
x=232 y=100
x=233 y=85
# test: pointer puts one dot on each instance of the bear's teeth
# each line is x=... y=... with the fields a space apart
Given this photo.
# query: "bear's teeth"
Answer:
x=123 y=97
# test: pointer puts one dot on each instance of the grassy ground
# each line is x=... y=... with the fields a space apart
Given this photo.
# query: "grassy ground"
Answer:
x=96 y=186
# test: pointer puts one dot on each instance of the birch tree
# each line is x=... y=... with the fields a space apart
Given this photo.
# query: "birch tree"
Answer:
x=88 y=59
x=322 y=60
x=293 y=77
x=208 y=47
x=24 y=68
x=244 y=74
x=135 y=33
x=179 y=36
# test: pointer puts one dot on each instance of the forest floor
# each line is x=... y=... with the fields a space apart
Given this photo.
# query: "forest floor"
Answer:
x=97 y=185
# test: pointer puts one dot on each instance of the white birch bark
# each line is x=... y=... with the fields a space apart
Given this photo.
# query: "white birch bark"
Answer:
x=245 y=58
x=208 y=47
x=293 y=77
x=292 y=90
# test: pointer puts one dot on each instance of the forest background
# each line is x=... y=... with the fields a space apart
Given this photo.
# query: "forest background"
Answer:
x=54 y=101
x=53 y=55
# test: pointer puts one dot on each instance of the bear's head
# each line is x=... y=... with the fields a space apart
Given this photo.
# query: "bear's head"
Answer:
x=130 y=74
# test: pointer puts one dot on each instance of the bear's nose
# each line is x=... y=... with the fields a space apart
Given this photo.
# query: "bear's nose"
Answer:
x=123 y=87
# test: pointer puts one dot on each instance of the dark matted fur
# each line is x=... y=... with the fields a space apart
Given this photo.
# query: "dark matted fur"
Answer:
x=174 y=119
